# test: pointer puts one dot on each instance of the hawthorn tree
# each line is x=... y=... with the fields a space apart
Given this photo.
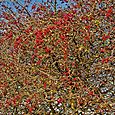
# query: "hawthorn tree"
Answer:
x=56 y=60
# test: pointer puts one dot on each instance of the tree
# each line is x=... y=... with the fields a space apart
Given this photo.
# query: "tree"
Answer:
x=54 y=60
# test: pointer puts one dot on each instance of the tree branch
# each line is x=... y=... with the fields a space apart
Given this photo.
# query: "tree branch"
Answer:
x=23 y=7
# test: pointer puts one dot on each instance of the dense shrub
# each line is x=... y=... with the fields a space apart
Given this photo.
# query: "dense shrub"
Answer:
x=57 y=61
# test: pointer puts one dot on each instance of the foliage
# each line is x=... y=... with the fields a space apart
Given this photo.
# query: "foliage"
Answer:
x=58 y=61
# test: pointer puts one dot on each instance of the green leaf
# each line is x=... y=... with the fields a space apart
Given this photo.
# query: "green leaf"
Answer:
x=73 y=76
x=71 y=57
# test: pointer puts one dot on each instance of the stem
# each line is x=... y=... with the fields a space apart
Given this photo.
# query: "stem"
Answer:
x=23 y=7
x=57 y=64
x=55 y=4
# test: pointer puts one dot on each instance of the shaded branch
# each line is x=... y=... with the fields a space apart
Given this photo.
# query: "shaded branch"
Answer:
x=23 y=7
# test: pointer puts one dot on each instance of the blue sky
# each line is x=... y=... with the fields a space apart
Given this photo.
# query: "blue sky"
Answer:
x=9 y=3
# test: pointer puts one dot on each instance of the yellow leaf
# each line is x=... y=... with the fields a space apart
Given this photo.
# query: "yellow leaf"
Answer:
x=97 y=22
x=72 y=105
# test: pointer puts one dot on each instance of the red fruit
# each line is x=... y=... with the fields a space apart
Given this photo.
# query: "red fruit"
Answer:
x=40 y=46
x=102 y=50
x=60 y=100
x=34 y=6
x=74 y=79
x=10 y=35
x=17 y=97
x=65 y=0
x=38 y=62
x=30 y=109
x=88 y=27
x=105 y=37
x=14 y=102
x=62 y=37
x=33 y=56
x=105 y=60
x=91 y=93
x=47 y=50
x=45 y=85
x=67 y=69
x=87 y=38
x=66 y=73
x=8 y=103
x=108 y=14
x=40 y=57
x=109 y=11
x=4 y=6
x=39 y=41
x=28 y=101
x=76 y=85
x=16 y=45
